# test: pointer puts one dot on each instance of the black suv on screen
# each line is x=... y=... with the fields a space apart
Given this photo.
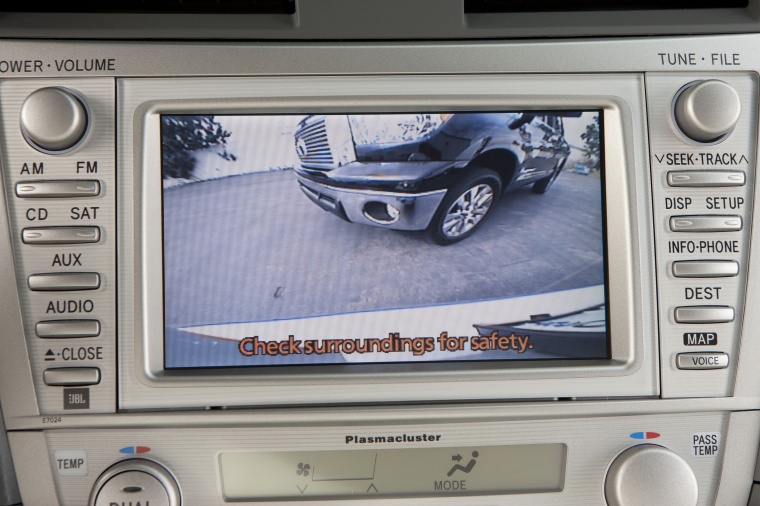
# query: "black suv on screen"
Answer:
x=438 y=172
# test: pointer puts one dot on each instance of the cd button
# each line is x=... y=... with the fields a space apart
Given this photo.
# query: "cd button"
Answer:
x=705 y=223
x=57 y=189
x=72 y=376
x=706 y=178
x=704 y=314
x=717 y=360
x=63 y=281
x=705 y=269
x=52 y=329
x=60 y=235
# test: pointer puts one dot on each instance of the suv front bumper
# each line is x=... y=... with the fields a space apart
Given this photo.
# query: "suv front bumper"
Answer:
x=366 y=206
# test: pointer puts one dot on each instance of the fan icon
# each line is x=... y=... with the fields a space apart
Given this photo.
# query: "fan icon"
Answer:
x=303 y=469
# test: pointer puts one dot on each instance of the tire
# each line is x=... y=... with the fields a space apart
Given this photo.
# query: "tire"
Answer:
x=466 y=206
x=542 y=185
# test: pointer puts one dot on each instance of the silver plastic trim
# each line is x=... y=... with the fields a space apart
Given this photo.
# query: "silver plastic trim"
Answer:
x=144 y=382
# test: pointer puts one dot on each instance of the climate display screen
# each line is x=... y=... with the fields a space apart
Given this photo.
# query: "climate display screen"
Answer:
x=383 y=238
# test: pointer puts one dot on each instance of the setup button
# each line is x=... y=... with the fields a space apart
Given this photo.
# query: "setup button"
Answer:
x=687 y=361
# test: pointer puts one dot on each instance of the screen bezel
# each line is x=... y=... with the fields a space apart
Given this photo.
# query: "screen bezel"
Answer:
x=629 y=349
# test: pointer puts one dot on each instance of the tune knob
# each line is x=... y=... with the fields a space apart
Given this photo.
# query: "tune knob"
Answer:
x=53 y=120
x=707 y=111
x=135 y=481
x=646 y=475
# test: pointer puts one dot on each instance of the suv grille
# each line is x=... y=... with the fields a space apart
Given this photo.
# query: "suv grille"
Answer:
x=312 y=145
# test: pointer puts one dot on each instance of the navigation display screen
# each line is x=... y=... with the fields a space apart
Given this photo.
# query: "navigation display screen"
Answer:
x=383 y=238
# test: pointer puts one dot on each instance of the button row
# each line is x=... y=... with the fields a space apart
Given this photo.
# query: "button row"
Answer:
x=71 y=376
x=60 y=235
x=58 y=189
x=706 y=223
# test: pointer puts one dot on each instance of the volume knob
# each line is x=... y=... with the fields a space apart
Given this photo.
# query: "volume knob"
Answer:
x=707 y=111
x=53 y=120
x=648 y=475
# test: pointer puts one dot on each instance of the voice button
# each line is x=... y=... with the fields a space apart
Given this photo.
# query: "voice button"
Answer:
x=693 y=361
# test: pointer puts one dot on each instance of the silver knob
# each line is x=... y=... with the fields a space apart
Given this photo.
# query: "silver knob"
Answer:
x=646 y=475
x=707 y=111
x=53 y=120
x=135 y=481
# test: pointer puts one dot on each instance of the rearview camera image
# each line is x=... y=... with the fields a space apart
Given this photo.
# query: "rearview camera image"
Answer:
x=383 y=238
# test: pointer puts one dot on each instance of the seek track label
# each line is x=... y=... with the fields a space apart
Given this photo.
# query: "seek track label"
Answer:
x=708 y=159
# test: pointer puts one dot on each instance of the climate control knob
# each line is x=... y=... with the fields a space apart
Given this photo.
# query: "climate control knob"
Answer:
x=53 y=120
x=707 y=111
x=649 y=474
x=135 y=481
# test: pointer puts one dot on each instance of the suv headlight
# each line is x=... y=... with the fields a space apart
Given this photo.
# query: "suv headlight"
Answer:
x=385 y=129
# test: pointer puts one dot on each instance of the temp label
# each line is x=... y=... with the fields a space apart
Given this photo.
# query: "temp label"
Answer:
x=71 y=462
x=705 y=444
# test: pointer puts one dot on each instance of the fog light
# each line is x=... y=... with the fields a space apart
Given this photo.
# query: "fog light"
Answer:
x=381 y=213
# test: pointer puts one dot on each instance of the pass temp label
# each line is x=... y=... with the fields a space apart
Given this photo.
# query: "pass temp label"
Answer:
x=705 y=444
